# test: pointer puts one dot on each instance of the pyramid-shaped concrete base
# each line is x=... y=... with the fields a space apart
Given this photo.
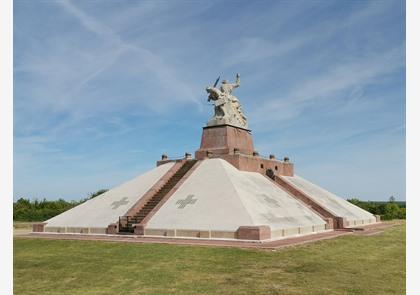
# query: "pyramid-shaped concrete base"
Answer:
x=214 y=200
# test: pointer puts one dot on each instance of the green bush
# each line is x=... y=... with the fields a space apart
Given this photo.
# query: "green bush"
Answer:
x=36 y=210
x=387 y=210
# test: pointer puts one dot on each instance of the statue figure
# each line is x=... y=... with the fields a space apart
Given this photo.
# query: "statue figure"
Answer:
x=228 y=88
x=227 y=109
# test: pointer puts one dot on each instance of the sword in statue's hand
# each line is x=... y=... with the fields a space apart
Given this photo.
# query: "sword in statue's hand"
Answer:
x=217 y=81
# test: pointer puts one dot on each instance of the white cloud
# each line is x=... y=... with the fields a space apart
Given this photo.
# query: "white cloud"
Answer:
x=252 y=49
x=154 y=64
x=62 y=72
x=356 y=73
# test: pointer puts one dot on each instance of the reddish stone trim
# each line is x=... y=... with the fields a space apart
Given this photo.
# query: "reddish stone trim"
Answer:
x=341 y=222
x=292 y=241
x=169 y=194
x=262 y=232
x=138 y=229
x=223 y=140
x=112 y=229
x=151 y=192
x=258 y=164
x=368 y=230
x=235 y=145
x=330 y=222
x=38 y=227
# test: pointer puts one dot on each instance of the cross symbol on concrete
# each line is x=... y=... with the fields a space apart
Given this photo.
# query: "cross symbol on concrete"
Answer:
x=272 y=202
x=188 y=200
x=278 y=219
x=119 y=203
x=270 y=217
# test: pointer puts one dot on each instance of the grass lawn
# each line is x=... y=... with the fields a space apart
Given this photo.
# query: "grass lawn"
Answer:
x=345 y=265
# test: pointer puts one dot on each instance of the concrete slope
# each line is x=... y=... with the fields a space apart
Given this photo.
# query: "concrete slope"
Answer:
x=207 y=200
x=99 y=212
x=219 y=197
x=334 y=204
x=269 y=204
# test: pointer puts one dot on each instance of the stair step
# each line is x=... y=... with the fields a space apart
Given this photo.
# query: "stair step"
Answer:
x=166 y=188
x=152 y=203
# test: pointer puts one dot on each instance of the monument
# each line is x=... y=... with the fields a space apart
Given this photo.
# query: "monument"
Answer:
x=227 y=109
x=227 y=130
x=227 y=191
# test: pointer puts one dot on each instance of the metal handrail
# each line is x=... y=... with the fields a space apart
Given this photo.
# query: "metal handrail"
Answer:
x=176 y=158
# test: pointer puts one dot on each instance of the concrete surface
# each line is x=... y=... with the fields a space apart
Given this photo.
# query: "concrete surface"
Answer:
x=102 y=210
x=333 y=203
x=219 y=197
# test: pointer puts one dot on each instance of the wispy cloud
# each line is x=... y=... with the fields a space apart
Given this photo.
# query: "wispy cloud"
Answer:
x=249 y=50
x=334 y=84
x=68 y=84
x=154 y=64
x=90 y=23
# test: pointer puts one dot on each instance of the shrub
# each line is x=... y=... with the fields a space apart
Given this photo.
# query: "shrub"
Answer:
x=41 y=210
x=388 y=210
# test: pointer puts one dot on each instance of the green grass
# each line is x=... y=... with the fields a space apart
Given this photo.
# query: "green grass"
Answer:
x=345 y=265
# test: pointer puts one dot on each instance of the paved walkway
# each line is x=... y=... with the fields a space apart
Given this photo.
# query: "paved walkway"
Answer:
x=365 y=231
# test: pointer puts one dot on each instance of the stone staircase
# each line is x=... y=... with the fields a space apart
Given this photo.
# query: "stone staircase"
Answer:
x=126 y=222
x=334 y=221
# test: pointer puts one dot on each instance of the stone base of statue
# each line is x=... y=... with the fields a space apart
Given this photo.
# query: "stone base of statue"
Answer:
x=234 y=145
x=225 y=140
x=231 y=121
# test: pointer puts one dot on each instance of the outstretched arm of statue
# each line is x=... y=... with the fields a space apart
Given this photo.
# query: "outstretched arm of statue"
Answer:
x=238 y=81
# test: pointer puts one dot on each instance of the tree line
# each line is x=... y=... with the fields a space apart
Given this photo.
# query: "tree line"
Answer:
x=387 y=210
x=41 y=210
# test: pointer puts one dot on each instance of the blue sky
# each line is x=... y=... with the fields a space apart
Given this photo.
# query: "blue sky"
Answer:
x=103 y=88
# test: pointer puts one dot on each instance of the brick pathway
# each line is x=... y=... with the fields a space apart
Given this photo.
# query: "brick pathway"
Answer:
x=365 y=231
